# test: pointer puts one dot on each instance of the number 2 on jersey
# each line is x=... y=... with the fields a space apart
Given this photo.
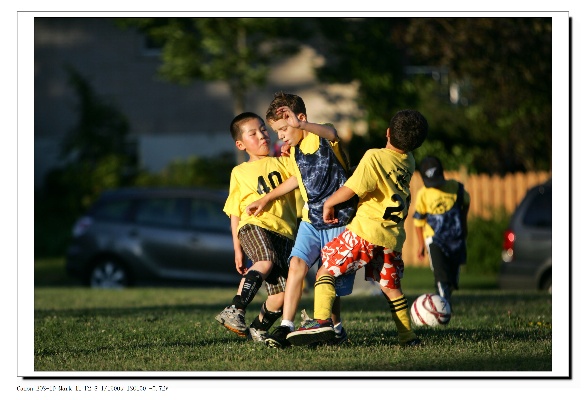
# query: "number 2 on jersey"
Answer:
x=395 y=213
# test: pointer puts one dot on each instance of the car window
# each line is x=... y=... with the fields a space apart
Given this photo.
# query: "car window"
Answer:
x=167 y=212
x=114 y=210
x=208 y=215
x=539 y=210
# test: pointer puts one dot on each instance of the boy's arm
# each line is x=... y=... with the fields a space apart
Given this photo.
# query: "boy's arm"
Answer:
x=341 y=195
x=238 y=253
x=420 y=242
x=325 y=131
x=257 y=206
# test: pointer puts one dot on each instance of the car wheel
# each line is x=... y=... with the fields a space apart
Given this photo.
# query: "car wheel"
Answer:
x=108 y=274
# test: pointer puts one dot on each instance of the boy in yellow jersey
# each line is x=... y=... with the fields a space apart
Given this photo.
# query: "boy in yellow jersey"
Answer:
x=319 y=169
x=441 y=212
x=374 y=238
x=266 y=239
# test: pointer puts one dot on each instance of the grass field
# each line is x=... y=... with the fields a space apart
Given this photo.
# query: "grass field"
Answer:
x=173 y=330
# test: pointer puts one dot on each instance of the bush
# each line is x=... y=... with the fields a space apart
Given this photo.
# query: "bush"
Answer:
x=485 y=240
x=213 y=172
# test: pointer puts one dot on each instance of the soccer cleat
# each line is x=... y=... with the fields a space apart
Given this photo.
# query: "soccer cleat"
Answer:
x=339 y=339
x=256 y=335
x=233 y=320
x=278 y=338
x=312 y=331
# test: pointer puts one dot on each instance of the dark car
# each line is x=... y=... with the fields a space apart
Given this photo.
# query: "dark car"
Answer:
x=139 y=235
x=527 y=243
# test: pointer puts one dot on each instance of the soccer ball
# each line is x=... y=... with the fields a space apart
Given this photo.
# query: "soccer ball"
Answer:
x=430 y=310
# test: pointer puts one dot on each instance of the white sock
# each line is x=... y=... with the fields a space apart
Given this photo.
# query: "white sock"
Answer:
x=288 y=324
x=338 y=328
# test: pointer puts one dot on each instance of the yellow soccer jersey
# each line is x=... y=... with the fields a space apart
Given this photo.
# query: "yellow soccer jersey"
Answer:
x=436 y=201
x=381 y=181
x=309 y=145
x=250 y=181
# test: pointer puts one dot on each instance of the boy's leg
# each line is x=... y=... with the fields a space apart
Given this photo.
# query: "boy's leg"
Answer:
x=293 y=291
x=440 y=265
x=357 y=252
x=270 y=312
x=400 y=313
x=250 y=284
x=389 y=277
x=324 y=295
x=297 y=270
x=233 y=316
x=275 y=284
x=320 y=328
x=304 y=253
x=343 y=284
x=257 y=244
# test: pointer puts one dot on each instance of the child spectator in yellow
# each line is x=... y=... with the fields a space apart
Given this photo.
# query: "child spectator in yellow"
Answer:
x=441 y=212
x=266 y=239
x=374 y=238
x=320 y=168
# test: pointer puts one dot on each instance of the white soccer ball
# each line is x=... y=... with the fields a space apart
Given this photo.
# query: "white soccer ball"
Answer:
x=430 y=310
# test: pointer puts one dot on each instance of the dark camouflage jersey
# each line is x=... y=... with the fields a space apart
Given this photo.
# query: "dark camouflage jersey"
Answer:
x=448 y=229
x=323 y=174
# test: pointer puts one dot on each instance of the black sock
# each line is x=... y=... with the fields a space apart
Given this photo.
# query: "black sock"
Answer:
x=252 y=283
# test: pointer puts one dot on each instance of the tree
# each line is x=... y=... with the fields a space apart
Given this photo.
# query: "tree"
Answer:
x=499 y=67
x=506 y=66
x=237 y=51
x=101 y=129
x=364 y=50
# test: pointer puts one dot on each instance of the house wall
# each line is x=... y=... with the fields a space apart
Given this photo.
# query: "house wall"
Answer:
x=169 y=121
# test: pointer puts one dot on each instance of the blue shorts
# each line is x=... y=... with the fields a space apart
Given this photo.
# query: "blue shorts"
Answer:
x=308 y=245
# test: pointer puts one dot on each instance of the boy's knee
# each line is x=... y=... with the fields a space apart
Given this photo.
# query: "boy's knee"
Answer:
x=263 y=267
x=298 y=266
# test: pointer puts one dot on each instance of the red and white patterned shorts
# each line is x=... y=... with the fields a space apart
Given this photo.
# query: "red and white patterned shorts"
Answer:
x=349 y=252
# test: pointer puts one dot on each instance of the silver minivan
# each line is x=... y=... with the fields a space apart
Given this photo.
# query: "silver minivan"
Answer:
x=145 y=235
x=526 y=254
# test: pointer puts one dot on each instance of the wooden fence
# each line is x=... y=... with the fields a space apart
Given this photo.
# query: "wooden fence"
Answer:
x=487 y=194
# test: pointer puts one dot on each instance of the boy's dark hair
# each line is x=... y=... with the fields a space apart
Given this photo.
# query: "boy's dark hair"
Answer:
x=281 y=99
x=238 y=120
x=408 y=130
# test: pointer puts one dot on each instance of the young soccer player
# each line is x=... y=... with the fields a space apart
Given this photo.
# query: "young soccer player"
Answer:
x=441 y=214
x=374 y=238
x=320 y=168
x=266 y=239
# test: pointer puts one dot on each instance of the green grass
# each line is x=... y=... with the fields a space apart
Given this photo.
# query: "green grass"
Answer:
x=173 y=329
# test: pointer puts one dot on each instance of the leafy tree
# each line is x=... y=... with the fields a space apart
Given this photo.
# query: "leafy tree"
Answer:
x=364 y=50
x=97 y=157
x=237 y=51
x=101 y=130
x=501 y=67
x=504 y=69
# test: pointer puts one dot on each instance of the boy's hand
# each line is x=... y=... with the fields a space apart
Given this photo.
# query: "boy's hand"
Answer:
x=421 y=252
x=288 y=115
x=329 y=215
x=239 y=261
x=285 y=150
x=256 y=207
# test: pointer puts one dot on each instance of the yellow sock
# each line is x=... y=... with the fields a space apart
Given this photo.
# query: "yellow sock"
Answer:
x=324 y=296
x=400 y=313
